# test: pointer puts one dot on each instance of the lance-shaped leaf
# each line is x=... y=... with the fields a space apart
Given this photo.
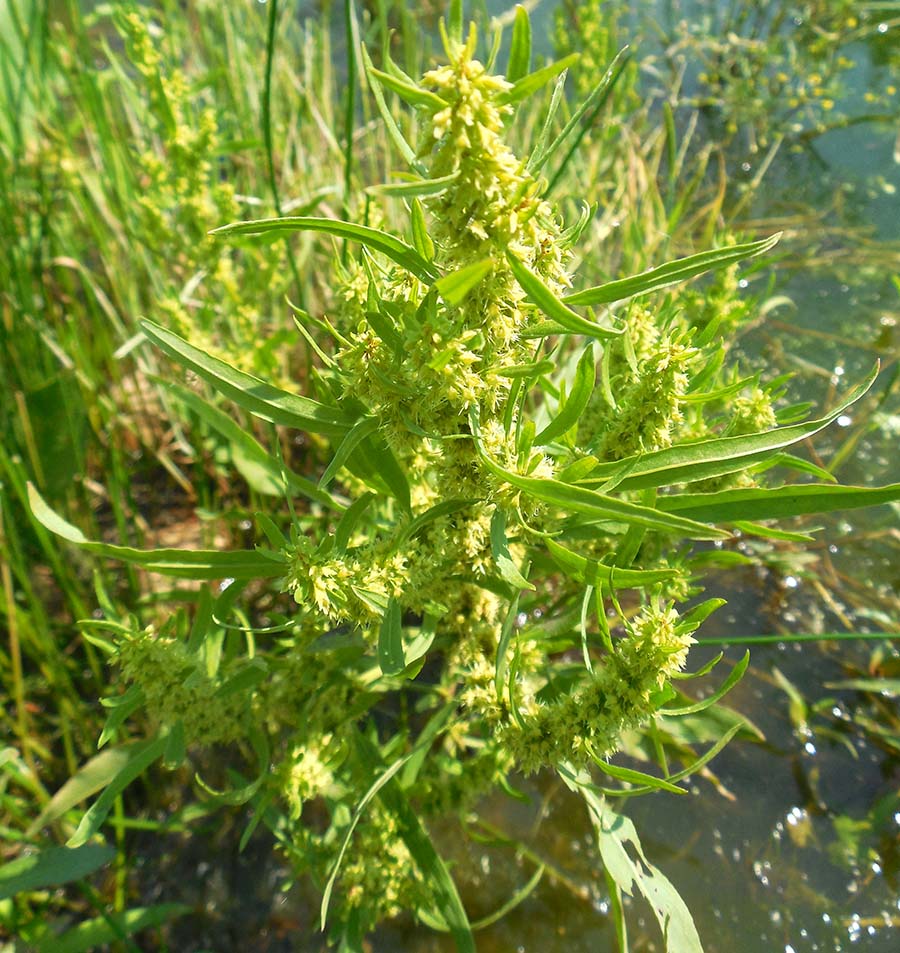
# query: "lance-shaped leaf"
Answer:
x=552 y=306
x=704 y=459
x=414 y=187
x=624 y=859
x=398 y=251
x=182 y=563
x=582 y=120
x=405 y=149
x=409 y=92
x=534 y=81
x=598 y=574
x=254 y=395
x=454 y=287
x=139 y=758
x=52 y=867
x=259 y=468
x=598 y=507
x=571 y=411
x=670 y=273
x=390 y=640
x=766 y=503
x=520 y=48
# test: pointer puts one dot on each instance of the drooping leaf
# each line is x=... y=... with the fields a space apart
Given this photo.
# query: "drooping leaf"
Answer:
x=182 y=563
x=552 y=306
x=624 y=859
x=671 y=273
x=398 y=251
x=254 y=395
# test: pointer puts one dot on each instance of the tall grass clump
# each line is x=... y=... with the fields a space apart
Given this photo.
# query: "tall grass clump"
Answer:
x=497 y=573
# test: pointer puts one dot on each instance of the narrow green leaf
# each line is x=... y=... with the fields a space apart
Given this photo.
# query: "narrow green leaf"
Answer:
x=547 y=301
x=381 y=469
x=720 y=455
x=421 y=238
x=91 y=777
x=582 y=119
x=601 y=508
x=416 y=187
x=254 y=395
x=509 y=571
x=670 y=273
x=455 y=21
x=390 y=640
x=570 y=412
x=373 y=238
x=140 y=757
x=409 y=92
x=112 y=927
x=625 y=861
x=888 y=687
x=374 y=788
x=357 y=433
x=431 y=866
x=350 y=520
x=52 y=867
x=454 y=287
x=404 y=148
x=260 y=469
x=769 y=503
x=183 y=563
x=594 y=573
x=520 y=48
x=531 y=83
x=631 y=776
x=737 y=673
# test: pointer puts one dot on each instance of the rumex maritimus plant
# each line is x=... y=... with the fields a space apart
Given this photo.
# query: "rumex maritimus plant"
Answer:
x=507 y=466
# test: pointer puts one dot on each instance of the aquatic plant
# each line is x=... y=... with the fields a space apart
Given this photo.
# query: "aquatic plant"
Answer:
x=490 y=576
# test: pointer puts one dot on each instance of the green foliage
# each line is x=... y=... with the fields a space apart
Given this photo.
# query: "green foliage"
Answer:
x=486 y=569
